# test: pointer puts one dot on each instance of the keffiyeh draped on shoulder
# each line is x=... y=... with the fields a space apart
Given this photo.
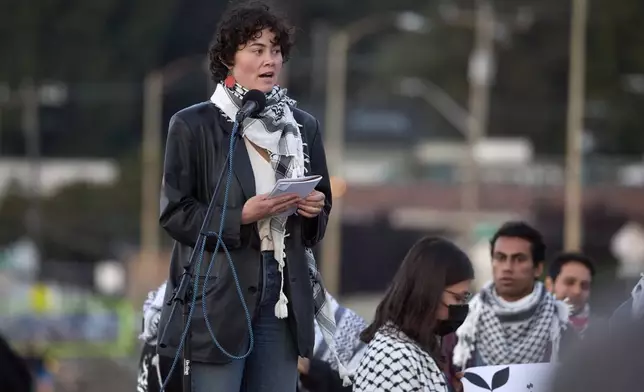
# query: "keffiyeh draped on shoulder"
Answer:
x=395 y=363
x=503 y=333
x=276 y=131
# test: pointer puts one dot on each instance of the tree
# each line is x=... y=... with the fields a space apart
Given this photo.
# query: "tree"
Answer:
x=13 y=207
x=529 y=97
x=100 y=49
x=81 y=221
x=616 y=49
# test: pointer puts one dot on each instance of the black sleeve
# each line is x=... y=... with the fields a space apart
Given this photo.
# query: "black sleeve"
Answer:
x=313 y=229
x=322 y=378
x=14 y=372
x=181 y=213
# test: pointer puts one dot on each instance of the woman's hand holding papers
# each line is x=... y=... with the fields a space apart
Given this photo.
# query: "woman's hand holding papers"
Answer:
x=312 y=205
x=262 y=206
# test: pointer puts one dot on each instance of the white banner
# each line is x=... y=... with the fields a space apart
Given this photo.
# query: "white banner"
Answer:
x=509 y=378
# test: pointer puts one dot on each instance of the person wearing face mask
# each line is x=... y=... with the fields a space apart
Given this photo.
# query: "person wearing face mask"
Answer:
x=570 y=276
x=426 y=300
x=268 y=250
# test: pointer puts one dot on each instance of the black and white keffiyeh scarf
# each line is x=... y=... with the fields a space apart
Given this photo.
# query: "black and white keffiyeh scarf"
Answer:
x=511 y=333
x=152 y=307
x=276 y=131
x=325 y=323
x=395 y=362
x=638 y=298
x=349 y=326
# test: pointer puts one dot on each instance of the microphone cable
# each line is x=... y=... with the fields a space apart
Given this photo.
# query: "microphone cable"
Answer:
x=201 y=246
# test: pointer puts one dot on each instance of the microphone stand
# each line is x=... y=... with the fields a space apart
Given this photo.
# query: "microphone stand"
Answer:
x=182 y=295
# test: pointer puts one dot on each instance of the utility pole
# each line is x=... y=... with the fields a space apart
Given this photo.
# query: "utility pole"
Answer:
x=154 y=88
x=339 y=43
x=480 y=74
x=31 y=130
x=320 y=33
x=574 y=126
x=334 y=136
x=151 y=168
x=5 y=96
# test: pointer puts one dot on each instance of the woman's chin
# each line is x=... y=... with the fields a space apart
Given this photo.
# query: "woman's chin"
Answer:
x=265 y=86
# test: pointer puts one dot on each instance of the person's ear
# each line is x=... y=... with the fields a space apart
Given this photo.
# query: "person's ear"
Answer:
x=550 y=284
x=229 y=66
x=538 y=271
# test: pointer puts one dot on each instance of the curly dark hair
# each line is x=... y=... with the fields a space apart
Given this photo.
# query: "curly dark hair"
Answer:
x=240 y=24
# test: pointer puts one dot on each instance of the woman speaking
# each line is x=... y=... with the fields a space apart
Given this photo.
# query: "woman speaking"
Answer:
x=267 y=250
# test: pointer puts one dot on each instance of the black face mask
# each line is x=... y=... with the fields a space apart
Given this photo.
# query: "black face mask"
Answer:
x=455 y=317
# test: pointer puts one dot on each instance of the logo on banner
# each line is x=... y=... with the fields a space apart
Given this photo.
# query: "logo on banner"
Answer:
x=499 y=379
x=509 y=378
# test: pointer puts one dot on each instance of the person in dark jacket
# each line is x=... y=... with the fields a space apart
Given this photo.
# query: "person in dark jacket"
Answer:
x=602 y=364
x=15 y=375
x=267 y=248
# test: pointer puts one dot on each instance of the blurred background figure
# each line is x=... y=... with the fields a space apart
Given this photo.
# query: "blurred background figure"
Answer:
x=41 y=367
x=570 y=277
x=155 y=370
x=15 y=373
x=631 y=309
x=602 y=364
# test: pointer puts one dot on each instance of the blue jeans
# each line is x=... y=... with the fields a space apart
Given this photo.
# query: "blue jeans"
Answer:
x=272 y=365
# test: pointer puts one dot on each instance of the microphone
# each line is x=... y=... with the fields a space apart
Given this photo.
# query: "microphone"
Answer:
x=253 y=102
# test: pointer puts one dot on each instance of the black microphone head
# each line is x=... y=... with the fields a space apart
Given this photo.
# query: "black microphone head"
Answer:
x=255 y=96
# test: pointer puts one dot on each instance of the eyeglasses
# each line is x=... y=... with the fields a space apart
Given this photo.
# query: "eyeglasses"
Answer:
x=461 y=297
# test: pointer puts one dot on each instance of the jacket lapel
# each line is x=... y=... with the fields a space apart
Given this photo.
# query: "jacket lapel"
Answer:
x=243 y=169
x=306 y=149
x=241 y=161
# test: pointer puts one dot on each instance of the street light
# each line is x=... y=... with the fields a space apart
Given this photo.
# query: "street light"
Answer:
x=468 y=124
x=435 y=96
x=339 y=44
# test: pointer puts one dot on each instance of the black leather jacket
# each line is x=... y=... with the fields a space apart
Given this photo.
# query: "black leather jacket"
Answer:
x=196 y=150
